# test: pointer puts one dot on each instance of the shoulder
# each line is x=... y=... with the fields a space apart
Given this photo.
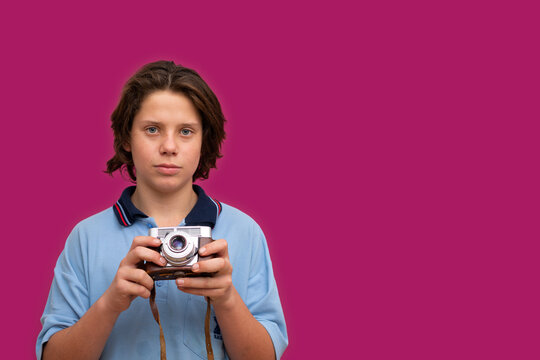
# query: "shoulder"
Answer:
x=101 y=222
x=242 y=232
x=232 y=216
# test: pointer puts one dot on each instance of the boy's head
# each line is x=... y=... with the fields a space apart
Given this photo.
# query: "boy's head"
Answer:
x=166 y=75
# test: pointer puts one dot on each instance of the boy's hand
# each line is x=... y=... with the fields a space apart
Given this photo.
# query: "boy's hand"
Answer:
x=218 y=286
x=130 y=281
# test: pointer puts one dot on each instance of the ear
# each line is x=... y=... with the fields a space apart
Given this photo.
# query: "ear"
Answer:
x=127 y=147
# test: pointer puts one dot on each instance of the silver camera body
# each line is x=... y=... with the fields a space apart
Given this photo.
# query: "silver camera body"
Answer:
x=180 y=245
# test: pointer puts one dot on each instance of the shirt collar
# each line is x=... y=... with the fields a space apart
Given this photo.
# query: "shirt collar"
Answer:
x=204 y=213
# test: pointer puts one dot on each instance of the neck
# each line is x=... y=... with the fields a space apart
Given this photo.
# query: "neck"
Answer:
x=167 y=209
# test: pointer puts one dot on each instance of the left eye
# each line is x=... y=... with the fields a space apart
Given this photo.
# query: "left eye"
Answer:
x=152 y=130
x=185 y=132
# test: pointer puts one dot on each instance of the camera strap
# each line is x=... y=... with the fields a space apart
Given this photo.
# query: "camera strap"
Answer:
x=155 y=312
x=209 y=351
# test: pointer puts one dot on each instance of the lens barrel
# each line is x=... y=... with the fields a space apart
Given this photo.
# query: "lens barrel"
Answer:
x=177 y=243
x=179 y=248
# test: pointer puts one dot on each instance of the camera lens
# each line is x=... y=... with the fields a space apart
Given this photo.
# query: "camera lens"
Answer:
x=177 y=242
x=179 y=248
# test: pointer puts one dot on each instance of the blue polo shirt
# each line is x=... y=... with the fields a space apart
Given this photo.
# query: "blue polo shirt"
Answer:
x=90 y=259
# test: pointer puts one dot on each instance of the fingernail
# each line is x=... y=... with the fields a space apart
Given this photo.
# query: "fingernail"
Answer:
x=157 y=241
x=195 y=267
x=163 y=261
x=202 y=251
x=180 y=282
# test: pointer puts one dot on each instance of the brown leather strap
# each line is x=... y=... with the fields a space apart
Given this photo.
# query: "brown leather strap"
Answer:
x=156 y=317
x=155 y=312
x=209 y=350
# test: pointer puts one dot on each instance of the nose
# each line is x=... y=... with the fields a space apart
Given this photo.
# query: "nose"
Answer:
x=169 y=145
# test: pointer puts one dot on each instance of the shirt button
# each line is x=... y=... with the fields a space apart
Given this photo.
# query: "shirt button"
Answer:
x=159 y=283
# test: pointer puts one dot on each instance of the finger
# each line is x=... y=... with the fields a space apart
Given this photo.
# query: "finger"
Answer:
x=204 y=282
x=137 y=276
x=133 y=289
x=146 y=241
x=141 y=253
x=218 y=247
x=211 y=265
x=212 y=293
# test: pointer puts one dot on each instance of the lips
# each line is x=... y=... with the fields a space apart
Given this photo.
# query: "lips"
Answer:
x=168 y=169
x=168 y=166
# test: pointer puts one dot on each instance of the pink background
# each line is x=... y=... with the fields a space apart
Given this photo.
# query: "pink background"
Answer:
x=389 y=150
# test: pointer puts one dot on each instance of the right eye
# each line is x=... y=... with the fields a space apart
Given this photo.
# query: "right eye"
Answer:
x=151 y=130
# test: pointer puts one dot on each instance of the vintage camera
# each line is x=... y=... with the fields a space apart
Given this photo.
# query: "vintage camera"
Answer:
x=180 y=247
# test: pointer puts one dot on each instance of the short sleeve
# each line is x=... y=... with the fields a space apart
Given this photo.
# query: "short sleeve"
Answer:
x=68 y=297
x=262 y=294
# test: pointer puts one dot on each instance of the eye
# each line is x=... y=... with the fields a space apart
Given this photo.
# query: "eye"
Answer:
x=152 y=130
x=186 y=132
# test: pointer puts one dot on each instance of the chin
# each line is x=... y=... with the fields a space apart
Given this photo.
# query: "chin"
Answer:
x=172 y=185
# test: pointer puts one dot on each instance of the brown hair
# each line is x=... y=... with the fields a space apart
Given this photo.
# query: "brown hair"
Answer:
x=166 y=75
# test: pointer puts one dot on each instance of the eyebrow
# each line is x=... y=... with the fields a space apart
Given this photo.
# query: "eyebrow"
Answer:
x=184 y=124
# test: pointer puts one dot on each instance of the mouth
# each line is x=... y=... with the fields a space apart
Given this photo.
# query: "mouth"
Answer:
x=168 y=166
x=168 y=169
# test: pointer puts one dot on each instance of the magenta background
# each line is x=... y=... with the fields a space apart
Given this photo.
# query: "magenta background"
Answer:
x=389 y=150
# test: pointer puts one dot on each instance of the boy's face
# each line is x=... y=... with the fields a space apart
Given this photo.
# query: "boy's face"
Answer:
x=165 y=142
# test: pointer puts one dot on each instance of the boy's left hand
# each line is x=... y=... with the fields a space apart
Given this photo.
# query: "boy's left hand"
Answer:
x=218 y=286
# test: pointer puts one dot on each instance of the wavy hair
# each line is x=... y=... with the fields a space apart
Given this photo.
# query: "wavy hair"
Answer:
x=166 y=75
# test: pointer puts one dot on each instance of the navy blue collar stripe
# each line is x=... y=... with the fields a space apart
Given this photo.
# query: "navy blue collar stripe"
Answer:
x=218 y=204
x=122 y=214
x=204 y=213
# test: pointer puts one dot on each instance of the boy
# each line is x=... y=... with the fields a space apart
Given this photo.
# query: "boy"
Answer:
x=168 y=129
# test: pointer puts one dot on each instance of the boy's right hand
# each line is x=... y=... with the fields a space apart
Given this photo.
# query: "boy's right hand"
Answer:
x=131 y=281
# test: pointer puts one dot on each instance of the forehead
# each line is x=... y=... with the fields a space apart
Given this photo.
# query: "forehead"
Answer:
x=168 y=107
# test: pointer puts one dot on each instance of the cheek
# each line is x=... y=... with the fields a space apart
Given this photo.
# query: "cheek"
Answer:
x=198 y=149
x=196 y=156
x=140 y=154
